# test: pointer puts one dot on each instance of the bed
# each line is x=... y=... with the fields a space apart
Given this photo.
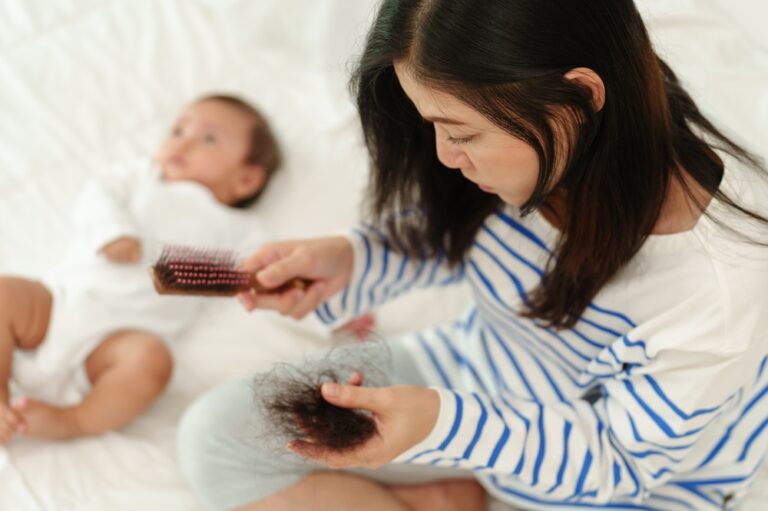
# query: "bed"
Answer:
x=84 y=83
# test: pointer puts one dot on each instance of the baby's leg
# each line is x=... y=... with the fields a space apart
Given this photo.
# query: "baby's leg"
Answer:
x=127 y=371
x=25 y=309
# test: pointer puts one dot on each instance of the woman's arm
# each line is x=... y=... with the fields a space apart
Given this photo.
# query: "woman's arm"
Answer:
x=349 y=275
x=381 y=274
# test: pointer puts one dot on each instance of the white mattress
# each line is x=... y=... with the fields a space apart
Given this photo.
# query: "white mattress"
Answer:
x=87 y=82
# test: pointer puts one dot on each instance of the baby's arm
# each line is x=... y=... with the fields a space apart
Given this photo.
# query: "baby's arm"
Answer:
x=102 y=215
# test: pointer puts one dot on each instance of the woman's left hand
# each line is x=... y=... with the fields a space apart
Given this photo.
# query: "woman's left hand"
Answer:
x=404 y=416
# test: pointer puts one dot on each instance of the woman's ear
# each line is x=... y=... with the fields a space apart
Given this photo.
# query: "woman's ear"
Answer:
x=585 y=77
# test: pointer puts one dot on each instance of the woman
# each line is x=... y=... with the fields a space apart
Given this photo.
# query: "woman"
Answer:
x=615 y=242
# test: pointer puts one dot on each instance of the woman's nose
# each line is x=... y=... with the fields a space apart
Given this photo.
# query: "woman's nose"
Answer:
x=451 y=156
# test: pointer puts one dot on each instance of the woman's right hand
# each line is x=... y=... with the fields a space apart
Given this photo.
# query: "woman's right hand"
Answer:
x=325 y=262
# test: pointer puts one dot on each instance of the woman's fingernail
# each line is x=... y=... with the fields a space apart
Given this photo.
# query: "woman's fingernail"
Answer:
x=330 y=389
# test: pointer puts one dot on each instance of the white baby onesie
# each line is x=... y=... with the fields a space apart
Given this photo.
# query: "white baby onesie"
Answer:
x=94 y=297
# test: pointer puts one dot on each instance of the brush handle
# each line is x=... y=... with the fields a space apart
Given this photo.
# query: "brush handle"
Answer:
x=291 y=284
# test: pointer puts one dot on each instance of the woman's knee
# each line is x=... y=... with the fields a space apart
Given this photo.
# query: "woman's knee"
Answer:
x=211 y=435
x=224 y=458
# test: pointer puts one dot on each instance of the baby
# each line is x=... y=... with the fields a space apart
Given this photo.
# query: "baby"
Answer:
x=90 y=342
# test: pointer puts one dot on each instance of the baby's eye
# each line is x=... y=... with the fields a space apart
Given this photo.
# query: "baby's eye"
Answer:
x=209 y=139
x=176 y=132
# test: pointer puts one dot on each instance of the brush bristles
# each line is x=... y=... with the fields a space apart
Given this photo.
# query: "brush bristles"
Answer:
x=189 y=270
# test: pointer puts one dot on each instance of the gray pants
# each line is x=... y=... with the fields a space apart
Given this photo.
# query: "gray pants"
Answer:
x=228 y=468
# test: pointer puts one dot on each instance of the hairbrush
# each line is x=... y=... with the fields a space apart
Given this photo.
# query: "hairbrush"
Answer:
x=182 y=270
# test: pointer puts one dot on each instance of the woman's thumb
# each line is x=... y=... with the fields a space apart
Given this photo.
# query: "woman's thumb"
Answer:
x=351 y=396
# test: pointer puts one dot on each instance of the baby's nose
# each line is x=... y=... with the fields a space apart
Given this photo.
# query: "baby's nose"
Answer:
x=183 y=145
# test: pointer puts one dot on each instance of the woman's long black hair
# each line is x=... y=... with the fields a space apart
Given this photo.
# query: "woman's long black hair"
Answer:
x=507 y=59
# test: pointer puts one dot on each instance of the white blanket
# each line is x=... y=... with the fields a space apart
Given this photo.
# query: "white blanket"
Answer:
x=84 y=83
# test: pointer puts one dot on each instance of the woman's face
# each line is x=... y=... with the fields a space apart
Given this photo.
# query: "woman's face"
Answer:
x=494 y=160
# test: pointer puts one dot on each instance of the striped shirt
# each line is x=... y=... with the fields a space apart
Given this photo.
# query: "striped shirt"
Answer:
x=654 y=400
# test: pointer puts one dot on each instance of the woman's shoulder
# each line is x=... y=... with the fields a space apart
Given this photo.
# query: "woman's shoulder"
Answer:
x=730 y=231
x=737 y=237
x=716 y=271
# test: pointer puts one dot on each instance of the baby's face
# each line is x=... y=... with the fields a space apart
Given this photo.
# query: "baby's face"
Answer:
x=208 y=144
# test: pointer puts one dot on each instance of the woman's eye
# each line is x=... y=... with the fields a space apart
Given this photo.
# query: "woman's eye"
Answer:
x=209 y=139
x=459 y=140
x=176 y=132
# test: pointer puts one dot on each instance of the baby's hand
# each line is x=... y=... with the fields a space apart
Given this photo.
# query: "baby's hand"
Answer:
x=11 y=423
x=123 y=250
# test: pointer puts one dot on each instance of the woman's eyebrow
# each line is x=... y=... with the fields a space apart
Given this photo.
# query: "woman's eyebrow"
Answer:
x=444 y=120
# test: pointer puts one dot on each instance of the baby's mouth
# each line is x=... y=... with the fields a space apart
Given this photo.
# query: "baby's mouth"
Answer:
x=172 y=172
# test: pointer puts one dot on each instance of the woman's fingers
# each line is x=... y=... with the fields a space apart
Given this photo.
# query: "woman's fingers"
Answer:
x=309 y=301
x=295 y=264
x=281 y=302
x=325 y=262
x=328 y=457
x=263 y=257
x=356 y=379
x=373 y=399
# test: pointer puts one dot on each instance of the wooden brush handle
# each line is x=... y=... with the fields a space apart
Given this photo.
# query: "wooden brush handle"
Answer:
x=296 y=283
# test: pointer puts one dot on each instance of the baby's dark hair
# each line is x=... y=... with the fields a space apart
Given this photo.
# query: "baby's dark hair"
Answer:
x=264 y=149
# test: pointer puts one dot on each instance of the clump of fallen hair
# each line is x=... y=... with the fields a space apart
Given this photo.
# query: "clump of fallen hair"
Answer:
x=293 y=408
x=306 y=415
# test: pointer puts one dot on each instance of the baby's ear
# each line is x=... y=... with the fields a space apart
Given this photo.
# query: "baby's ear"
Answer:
x=250 y=180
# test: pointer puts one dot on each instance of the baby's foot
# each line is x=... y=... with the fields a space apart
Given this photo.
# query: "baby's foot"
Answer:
x=47 y=421
x=11 y=423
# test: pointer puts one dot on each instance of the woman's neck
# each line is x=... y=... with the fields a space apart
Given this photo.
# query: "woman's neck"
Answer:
x=680 y=211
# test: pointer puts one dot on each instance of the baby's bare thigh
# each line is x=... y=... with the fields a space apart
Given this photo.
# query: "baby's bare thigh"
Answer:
x=25 y=309
x=136 y=350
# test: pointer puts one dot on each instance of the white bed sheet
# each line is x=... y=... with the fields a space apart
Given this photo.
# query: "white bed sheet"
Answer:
x=87 y=82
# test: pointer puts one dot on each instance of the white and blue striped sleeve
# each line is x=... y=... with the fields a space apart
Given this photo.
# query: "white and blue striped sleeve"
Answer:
x=380 y=274
x=642 y=431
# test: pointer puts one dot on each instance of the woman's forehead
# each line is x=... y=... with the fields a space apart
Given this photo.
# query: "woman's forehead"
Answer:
x=435 y=105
